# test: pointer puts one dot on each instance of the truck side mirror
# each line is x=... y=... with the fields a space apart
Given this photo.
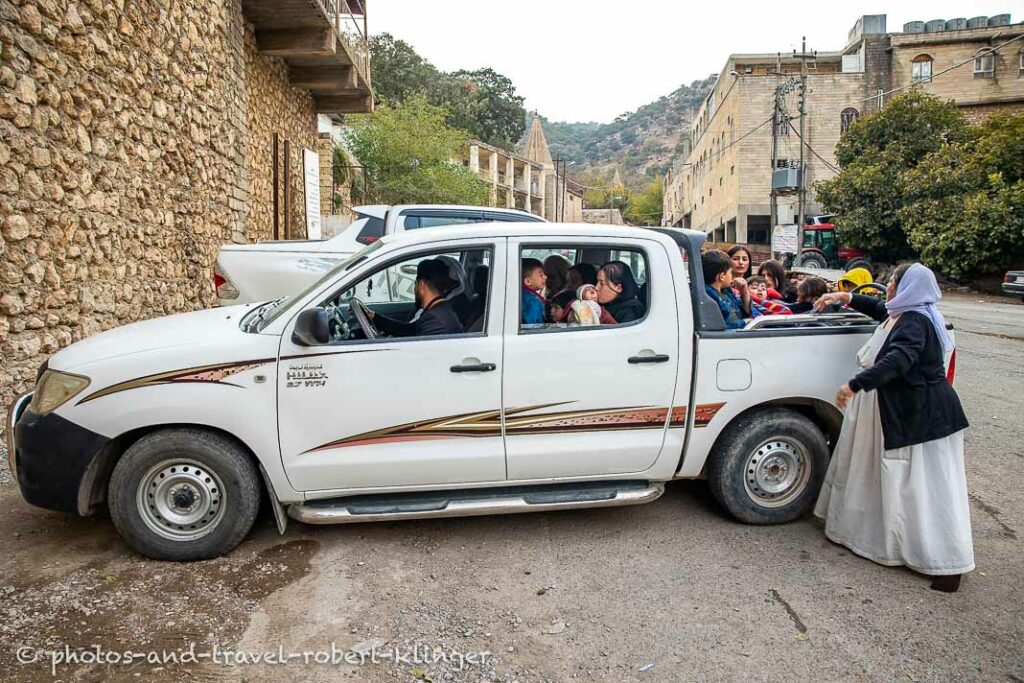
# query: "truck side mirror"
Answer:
x=311 y=328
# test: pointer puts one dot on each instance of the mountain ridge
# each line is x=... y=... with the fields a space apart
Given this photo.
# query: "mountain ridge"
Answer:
x=641 y=144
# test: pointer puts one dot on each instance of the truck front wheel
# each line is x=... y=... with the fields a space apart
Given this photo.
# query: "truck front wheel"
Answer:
x=184 y=494
x=767 y=467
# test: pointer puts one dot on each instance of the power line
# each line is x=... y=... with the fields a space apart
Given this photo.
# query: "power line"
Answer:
x=814 y=152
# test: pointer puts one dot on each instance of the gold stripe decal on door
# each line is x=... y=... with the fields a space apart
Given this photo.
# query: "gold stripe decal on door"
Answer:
x=212 y=374
x=517 y=421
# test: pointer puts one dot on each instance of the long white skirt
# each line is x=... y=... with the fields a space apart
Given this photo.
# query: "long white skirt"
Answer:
x=906 y=506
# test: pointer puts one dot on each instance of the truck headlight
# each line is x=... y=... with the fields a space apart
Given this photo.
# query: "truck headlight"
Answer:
x=54 y=389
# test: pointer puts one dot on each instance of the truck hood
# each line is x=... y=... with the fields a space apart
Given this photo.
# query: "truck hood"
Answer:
x=210 y=326
x=307 y=246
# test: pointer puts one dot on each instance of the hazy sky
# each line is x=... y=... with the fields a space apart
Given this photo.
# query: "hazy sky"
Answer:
x=591 y=60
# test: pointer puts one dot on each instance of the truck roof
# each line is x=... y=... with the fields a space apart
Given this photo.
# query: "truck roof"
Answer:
x=533 y=229
x=380 y=210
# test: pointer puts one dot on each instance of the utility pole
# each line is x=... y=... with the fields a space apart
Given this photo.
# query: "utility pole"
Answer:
x=773 y=198
x=804 y=56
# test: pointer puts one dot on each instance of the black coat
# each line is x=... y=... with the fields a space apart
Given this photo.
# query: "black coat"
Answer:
x=626 y=310
x=438 y=319
x=915 y=401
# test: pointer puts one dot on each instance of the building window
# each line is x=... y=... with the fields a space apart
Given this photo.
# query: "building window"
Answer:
x=921 y=69
x=985 y=63
x=849 y=115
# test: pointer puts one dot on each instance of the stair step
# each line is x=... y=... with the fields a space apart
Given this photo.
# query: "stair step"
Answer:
x=467 y=502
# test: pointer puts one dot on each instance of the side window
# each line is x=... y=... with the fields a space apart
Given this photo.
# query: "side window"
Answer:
x=415 y=221
x=372 y=231
x=581 y=286
x=391 y=292
x=511 y=217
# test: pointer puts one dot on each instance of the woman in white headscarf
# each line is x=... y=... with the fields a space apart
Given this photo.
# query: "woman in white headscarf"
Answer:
x=895 y=491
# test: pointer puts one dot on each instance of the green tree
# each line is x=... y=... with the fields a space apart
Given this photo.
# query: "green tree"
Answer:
x=408 y=151
x=399 y=72
x=487 y=107
x=645 y=208
x=483 y=102
x=868 y=195
x=965 y=211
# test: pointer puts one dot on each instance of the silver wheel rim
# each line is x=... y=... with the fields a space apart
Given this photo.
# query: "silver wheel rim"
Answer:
x=776 y=472
x=181 y=500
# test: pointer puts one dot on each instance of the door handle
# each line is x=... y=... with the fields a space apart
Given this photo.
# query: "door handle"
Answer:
x=655 y=358
x=475 y=367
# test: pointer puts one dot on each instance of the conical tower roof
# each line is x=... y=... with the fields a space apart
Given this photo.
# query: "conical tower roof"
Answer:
x=536 y=146
x=617 y=179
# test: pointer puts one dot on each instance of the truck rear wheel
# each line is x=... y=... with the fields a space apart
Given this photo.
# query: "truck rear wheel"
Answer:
x=767 y=467
x=184 y=494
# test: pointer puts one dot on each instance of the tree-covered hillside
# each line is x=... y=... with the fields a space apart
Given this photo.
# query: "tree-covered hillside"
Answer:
x=642 y=143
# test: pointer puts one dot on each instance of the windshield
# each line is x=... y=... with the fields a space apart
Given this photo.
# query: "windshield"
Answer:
x=287 y=303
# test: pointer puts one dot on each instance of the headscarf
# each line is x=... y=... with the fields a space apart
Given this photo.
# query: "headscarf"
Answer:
x=855 y=278
x=919 y=291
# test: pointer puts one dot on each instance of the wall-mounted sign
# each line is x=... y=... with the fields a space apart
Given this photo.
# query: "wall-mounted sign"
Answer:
x=311 y=176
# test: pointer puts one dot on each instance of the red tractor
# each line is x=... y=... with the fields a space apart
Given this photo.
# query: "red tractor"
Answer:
x=821 y=248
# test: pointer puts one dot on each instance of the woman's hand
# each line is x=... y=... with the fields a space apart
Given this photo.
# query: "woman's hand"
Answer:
x=826 y=300
x=741 y=286
x=844 y=395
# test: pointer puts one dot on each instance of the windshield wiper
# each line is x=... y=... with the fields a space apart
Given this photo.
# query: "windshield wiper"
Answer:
x=260 y=313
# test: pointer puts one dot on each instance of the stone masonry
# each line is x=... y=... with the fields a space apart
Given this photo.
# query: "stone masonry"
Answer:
x=135 y=139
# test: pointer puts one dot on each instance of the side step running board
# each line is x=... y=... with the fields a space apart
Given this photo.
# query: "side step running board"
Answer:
x=468 y=502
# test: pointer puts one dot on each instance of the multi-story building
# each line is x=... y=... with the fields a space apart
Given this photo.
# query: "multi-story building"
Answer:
x=724 y=186
x=514 y=181
x=527 y=180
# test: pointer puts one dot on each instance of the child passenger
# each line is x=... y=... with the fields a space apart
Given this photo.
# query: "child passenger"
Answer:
x=809 y=291
x=719 y=283
x=759 y=296
x=586 y=310
x=532 y=302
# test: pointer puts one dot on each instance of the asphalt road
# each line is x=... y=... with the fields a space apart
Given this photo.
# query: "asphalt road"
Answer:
x=671 y=591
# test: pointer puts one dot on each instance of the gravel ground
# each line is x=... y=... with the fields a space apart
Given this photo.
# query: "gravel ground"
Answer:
x=667 y=591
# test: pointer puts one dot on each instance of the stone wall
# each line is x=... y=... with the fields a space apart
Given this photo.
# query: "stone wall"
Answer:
x=132 y=145
x=275 y=107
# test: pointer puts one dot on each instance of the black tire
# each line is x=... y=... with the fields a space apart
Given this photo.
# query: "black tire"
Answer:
x=859 y=262
x=813 y=261
x=214 y=474
x=747 y=449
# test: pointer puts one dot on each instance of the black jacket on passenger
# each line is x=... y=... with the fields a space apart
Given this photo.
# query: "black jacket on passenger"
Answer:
x=915 y=401
x=626 y=310
x=440 y=318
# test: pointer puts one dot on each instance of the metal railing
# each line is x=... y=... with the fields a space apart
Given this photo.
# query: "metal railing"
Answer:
x=350 y=28
x=809 y=320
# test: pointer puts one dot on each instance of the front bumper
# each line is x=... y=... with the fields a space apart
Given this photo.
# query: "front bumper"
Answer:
x=50 y=457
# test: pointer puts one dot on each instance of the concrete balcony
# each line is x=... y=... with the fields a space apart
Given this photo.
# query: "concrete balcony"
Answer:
x=324 y=43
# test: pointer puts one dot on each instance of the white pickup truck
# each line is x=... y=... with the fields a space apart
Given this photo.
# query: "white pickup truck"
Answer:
x=179 y=423
x=247 y=273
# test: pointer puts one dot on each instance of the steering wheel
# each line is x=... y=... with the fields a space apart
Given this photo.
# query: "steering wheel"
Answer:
x=359 y=310
x=879 y=289
x=339 y=326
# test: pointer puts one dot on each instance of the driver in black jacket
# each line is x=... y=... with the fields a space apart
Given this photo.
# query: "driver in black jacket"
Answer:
x=436 y=314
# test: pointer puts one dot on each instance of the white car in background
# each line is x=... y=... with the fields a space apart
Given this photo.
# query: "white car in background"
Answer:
x=251 y=273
